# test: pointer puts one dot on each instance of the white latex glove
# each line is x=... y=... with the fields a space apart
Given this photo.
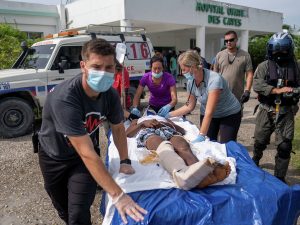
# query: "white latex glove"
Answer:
x=126 y=206
x=126 y=168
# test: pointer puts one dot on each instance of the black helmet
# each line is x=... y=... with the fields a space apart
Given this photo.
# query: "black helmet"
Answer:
x=280 y=47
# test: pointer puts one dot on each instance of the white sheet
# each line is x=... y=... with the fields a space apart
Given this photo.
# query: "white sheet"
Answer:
x=153 y=176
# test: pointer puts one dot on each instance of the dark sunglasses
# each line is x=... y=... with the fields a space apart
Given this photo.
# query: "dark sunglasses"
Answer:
x=229 y=40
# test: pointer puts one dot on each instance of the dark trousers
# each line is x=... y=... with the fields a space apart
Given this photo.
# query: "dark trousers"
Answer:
x=227 y=127
x=70 y=186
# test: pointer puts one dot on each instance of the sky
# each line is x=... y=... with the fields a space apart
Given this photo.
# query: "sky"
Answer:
x=289 y=8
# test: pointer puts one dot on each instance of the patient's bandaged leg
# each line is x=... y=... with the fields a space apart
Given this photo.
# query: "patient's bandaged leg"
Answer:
x=186 y=177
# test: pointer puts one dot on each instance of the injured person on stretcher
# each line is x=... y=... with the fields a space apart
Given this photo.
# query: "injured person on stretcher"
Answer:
x=166 y=139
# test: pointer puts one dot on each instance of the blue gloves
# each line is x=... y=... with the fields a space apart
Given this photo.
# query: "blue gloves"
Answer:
x=167 y=116
x=199 y=138
x=164 y=110
x=136 y=112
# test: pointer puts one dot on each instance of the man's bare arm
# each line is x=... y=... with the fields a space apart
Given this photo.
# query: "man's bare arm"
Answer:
x=249 y=80
x=85 y=149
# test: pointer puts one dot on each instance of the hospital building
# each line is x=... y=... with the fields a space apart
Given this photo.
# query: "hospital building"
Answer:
x=170 y=24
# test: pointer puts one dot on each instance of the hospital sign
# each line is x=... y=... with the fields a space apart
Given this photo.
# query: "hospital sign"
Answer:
x=229 y=16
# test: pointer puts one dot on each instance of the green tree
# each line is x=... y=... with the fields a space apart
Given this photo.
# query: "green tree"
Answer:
x=10 y=45
x=10 y=40
x=287 y=27
x=258 y=45
x=257 y=49
x=296 y=39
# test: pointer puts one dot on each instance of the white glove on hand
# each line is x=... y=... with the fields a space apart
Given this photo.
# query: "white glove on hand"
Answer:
x=126 y=206
x=126 y=168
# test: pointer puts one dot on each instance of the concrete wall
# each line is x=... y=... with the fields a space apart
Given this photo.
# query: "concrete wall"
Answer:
x=172 y=23
x=82 y=13
x=177 y=39
x=184 y=12
x=31 y=17
x=158 y=15
x=180 y=40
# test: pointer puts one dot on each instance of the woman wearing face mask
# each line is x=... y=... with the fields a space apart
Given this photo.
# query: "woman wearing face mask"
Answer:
x=162 y=87
x=220 y=111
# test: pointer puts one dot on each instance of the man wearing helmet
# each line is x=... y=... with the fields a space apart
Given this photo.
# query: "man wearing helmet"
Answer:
x=277 y=82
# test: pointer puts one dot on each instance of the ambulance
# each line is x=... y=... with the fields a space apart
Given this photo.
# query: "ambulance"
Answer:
x=39 y=68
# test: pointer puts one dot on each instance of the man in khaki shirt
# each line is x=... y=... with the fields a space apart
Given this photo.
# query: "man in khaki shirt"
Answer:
x=234 y=64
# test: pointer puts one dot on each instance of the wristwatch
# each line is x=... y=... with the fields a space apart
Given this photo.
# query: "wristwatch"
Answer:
x=125 y=161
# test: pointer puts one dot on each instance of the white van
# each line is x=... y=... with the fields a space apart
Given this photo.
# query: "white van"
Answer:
x=24 y=88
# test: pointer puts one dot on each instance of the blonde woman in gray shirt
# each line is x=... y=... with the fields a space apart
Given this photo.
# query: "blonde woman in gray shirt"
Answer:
x=220 y=111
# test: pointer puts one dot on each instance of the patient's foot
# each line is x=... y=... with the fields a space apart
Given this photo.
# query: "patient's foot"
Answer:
x=219 y=173
x=190 y=176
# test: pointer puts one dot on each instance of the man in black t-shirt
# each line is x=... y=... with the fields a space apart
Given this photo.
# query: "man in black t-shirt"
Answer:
x=69 y=138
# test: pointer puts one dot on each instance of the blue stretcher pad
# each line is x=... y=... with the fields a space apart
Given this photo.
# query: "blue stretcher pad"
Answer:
x=256 y=198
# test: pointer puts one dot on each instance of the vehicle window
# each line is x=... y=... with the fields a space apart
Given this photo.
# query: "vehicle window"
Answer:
x=114 y=43
x=138 y=50
x=72 y=55
x=38 y=56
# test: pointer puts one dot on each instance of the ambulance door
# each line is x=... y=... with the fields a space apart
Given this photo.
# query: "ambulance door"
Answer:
x=65 y=65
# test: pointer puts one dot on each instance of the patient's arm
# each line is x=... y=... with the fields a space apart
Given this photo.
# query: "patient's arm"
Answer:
x=178 y=128
x=135 y=127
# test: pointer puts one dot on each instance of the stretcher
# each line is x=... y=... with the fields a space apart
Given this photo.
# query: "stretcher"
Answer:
x=248 y=196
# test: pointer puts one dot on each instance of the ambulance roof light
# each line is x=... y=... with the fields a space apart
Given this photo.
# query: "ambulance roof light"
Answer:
x=107 y=29
x=69 y=33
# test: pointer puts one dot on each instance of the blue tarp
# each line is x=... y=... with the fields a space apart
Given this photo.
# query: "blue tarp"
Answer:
x=256 y=198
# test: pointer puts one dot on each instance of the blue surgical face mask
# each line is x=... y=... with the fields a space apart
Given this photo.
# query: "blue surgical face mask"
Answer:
x=157 y=75
x=100 y=81
x=188 y=76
